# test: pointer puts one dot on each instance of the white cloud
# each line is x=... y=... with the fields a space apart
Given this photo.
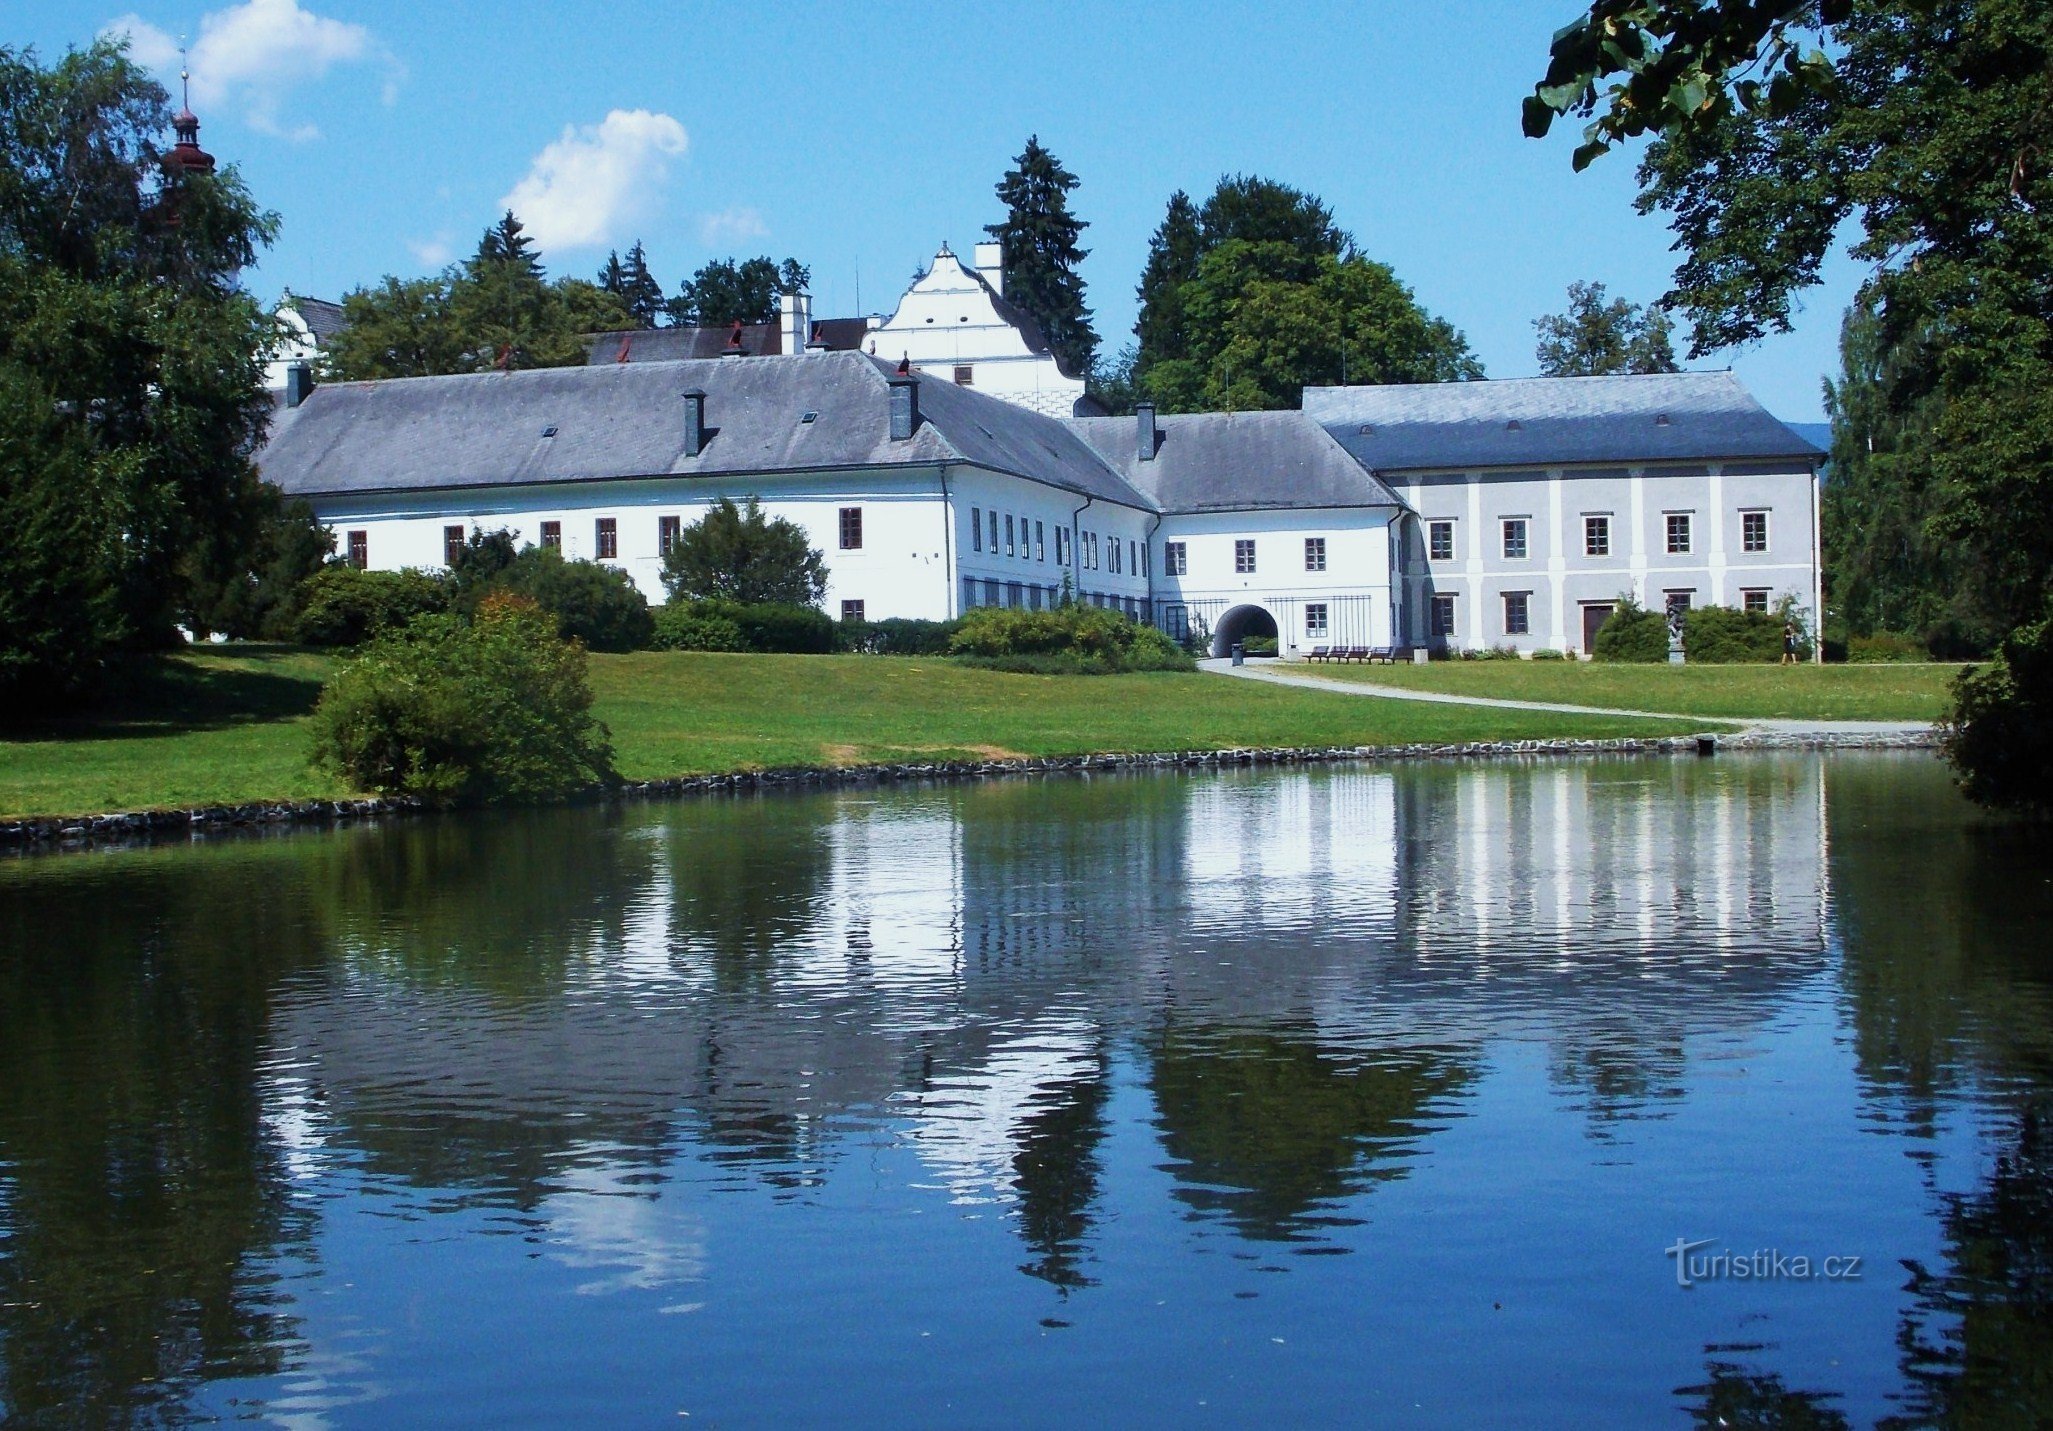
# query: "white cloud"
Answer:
x=589 y=185
x=731 y=226
x=433 y=252
x=257 y=56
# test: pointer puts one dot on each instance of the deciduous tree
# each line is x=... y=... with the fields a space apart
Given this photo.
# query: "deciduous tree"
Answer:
x=1595 y=338
x=725 y=291
x=736 y=553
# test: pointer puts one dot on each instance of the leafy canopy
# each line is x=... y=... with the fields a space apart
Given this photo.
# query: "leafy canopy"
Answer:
x=724 y=292
x=131 y=365
x=736 y=553
x=1595 y=338
x=1038 y=249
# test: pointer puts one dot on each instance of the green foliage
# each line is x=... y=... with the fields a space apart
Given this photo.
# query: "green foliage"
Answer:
x=719 y=625
x=1038 y=248
x=342 y=606
x=591 y=602
x=1076 y=639
x=735 y=553
x=1173 y=255
x=1631 y=633
x=697 y=626
x=1886 y=647
x=130 y=369
x=2001 y=725
x=495 y=310
x=724 y=291
x=1548 y=653
x=496 y=710
x=898 y=636
x=1258 y=645
x=248 y=581
x=1594 y=338
x=1724 y=636
x=636 y=289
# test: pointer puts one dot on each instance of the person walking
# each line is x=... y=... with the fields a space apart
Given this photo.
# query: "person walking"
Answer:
x=1789 y=643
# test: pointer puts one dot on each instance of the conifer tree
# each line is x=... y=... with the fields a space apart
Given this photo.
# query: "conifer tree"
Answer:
x=639 y=292
x=1173 y=255
x=1038 y=249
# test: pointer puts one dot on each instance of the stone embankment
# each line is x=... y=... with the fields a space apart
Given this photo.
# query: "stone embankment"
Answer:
x=81 y=831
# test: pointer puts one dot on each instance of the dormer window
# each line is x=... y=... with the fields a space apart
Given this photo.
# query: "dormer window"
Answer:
x=809 y=417
x=962 y=375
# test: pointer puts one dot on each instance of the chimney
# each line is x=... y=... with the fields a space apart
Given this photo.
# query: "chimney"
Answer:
x=818 y=342
x=694 y=422
x=734 y=348
x=990 y=261
x=1144 y=430
x=794 y=320
x=299 y=383
x=905 y=403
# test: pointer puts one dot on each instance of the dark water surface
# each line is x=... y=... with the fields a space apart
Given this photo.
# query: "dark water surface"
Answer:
x=1350 y=1096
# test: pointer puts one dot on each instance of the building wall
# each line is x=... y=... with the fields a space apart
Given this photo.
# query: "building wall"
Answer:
x=901 y=569
x=1355 y=588
x=1558 y=574
x=1014 y=575
x=946 y=322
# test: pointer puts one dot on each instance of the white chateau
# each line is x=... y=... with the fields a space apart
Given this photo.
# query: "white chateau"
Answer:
x=1459 y=515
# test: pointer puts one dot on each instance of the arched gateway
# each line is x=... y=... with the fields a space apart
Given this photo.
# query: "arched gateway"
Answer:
x=1239 y=623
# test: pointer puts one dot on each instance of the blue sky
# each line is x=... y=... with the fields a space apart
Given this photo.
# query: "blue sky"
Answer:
x=857 y=137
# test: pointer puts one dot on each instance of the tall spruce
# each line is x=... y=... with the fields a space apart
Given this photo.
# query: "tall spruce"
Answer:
x=638 y=290
x=1173 y=255
x=1038 y=250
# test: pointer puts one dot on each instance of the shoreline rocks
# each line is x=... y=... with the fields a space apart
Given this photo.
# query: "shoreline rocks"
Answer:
x=157 y=826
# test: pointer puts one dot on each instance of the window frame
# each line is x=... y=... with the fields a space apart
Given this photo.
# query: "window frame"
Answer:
x=1316 y=615
x=852 y=610
x=1040 y=541
x=1522 y=624
x=1755 y=599
x=606 y=538
x=1747 y=519
x=1244 y=556
x=452 y=544
x=1686 y=530
x=1523 y=528
x=356 y=547
x=1596 y=534
x=850 y=523
x=669 y=531
x=976 y=529
x=1315 y=553
x=1445 y=616
x=551 y=535
x=1175 y=559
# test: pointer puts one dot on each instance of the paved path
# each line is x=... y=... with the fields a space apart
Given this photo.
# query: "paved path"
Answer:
x=1275 y=674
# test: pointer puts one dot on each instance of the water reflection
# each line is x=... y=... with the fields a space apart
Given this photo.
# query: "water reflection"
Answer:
x=1257 y=1003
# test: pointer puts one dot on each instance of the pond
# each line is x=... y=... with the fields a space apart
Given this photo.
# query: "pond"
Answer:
x=1357 y=1095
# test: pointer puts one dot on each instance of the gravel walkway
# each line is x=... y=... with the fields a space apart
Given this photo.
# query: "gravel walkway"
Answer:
x=1277 y=675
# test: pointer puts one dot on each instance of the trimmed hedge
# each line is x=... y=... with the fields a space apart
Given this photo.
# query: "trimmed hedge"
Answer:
x=1631 y=633
x=342 y=606
x=1070 y=640
x=735 y=626
x=1724 y=636
x=898 y=636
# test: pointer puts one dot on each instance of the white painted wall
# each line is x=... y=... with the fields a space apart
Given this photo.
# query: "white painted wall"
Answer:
x=947 y=320
x=296 y=346
x=1355 y=588
x=977 y=496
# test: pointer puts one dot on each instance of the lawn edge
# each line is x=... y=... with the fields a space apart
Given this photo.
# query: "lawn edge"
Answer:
x=67 y=832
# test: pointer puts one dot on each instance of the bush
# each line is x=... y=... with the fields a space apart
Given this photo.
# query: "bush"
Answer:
x=734 y=626
x=594 y=603
x=342 y=606
x=1631 y=633
x=1548 y=653
x=1724 y=636
x=2000 y=730
x=1258 y=645
x=1083 y=640
x=497 y=709
x=1886 y=646
x=687 y=626
x=897 y=636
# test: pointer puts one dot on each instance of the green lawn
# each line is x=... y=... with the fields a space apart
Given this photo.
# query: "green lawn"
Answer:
x=1878 y=692
x=224 y=725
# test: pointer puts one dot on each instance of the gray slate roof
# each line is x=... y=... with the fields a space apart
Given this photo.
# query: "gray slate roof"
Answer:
x=622 y=420
x=323 y=319
x=668 y=345
x=1537 y=422
x=1235 y=461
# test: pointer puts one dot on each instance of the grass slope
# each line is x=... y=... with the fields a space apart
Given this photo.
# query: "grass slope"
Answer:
x=1880 y=692
x=225 y=725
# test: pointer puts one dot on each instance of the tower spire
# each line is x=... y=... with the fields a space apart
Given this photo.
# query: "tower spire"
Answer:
x=186 y=156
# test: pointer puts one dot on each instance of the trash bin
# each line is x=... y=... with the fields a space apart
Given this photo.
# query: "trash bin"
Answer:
x=1239 y=650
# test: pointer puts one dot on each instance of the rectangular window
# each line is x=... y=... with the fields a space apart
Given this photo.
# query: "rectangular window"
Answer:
x=1008 y=534
x=607 y=531
x=1133 y=555
x=1244 y=554
x=669 y=531
x=962 y=375
x=1090 y=551
x=994 y=534
x=1034 y=597
x=1062 y=546
x=1315 y=618
x=1677 y=601
x=976 y=529
x=1175 y=559
x=851 y=529
x=1517 y=613
x=1753 y=531
x=1147 y=560
x=1015 y=594
x=969 y=593
x=1678 y=533
x=552 y=535
x=1115 y=556
x=851 y=611
x=1443 y=616
x=360 y=550
x=1315 y=553
x=1597 y=536
x=1440 y=541
x=990 y=591
x=1176 y=622
x=1514 y=538
x=1754 y=600
x=452 y=545
x=1040 y=542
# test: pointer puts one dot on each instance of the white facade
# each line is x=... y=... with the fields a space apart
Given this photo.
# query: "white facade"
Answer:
x=952 y=324
x=1323 y=575
x=1560 y=546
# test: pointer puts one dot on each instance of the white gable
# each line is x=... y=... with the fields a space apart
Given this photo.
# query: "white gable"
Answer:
x=951 y=320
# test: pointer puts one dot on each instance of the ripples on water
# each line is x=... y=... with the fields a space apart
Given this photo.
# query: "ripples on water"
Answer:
x=1342 y=1095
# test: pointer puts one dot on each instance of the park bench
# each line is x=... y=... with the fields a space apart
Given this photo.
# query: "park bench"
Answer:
x=1319 y=653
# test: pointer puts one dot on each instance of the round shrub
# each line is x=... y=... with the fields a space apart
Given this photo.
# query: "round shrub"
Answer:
x=1070 y=639
x=738 y=626
x=493 y=710
x=1631 y=633
x=687 y=626
x=594 y=603
x=342 y=606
